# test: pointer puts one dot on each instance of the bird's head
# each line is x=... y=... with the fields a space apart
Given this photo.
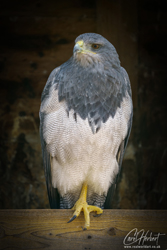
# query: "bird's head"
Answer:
x=91 y=49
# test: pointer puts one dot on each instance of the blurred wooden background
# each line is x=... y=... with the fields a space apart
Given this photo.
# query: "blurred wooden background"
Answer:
x=36 y=37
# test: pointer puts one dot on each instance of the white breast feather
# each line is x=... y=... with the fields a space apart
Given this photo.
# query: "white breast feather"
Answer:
x=78 y=155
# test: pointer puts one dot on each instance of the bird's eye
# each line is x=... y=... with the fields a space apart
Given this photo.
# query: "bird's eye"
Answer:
x=96 y=46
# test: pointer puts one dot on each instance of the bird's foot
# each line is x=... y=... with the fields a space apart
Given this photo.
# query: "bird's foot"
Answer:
x=82 y=205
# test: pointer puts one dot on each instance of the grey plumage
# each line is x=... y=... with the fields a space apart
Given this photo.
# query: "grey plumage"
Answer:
x=94 y=89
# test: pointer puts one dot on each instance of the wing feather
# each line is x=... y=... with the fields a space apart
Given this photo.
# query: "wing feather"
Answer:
x=122 y=147
x=54 y=198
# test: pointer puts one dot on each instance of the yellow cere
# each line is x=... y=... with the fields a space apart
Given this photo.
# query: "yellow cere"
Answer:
x=80 y=43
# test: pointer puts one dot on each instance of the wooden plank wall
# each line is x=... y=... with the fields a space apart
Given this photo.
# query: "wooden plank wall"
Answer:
x=38 y=36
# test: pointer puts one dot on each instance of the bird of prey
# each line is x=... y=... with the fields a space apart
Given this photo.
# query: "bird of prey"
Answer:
x=85 y=121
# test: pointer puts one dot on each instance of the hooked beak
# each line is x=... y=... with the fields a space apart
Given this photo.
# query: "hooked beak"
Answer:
x=78 y=47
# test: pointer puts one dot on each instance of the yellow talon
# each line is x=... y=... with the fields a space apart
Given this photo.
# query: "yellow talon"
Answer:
x=82 y=205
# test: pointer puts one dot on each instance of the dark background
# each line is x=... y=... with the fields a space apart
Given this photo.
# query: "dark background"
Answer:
x=37 y=36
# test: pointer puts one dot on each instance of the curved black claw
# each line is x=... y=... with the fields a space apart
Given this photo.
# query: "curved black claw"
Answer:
x=84 y=228
x=73 y=218
x=97 y=215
